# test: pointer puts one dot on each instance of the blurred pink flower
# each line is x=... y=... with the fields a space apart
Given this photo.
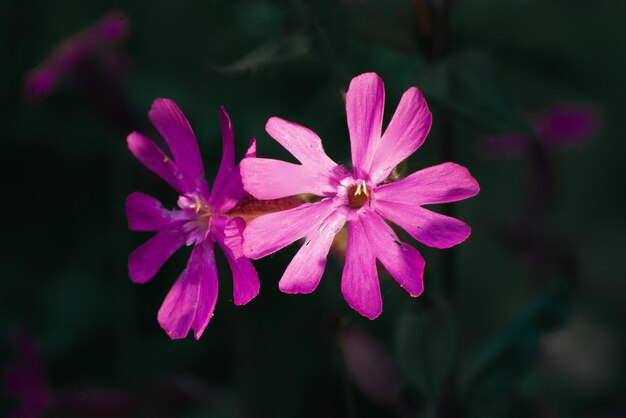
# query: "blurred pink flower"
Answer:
x=560 y=126
x=25 y=381
x=98 y=40
x=370 y=366
x=201 y=221
x=363 y=198
x=24 y=378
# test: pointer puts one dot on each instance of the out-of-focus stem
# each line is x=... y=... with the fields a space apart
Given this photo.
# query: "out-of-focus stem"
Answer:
x=449 y=405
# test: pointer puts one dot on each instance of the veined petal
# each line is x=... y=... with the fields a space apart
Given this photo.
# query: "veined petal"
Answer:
x=304 y=272
x=405 y=134
x=145 y=213
x=148 y=259
x=173 y=126
x=359 y=281
x=191 y=301
x=365 y=103
x=447 y=182
x=266 y=179
x=245 y=278
x=301 y=142
x=269 y=233
x=429 y=228
x=156 y=160
x=403 y=262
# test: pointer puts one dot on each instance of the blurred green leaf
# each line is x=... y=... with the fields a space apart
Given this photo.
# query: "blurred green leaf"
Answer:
x=425 y=343
x=273 y=51
x=468 y=84
x=490 y=378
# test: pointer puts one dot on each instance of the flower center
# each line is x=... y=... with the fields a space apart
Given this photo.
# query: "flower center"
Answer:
x=358 y=195
x=200 y=207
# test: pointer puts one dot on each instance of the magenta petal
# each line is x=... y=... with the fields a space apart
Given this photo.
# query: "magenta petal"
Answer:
x=227 y=168
x=156 y=160
x=191 y=301
x=305 y=270
x=246 y=283
x=173 y=126
x=145 y=213
x=146 y=260
x=429 y=228
x=245 y=278
x=266 y=178
x=269 y=233
x=301 y=142
x=405 y=134
x=365 y=102
x=403 y=262
x=232 y=191
x=359 y=281
x=447 y=182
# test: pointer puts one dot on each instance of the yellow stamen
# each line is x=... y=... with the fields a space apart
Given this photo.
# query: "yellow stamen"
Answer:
x=358 y=195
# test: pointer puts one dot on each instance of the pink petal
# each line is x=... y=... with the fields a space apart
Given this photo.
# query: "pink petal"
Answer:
x=245 y=278
x=233 y=236
x=359 y=281
x=173 y=126
x=191 y=301
x=429 y=228
x=155 y=159
x=146 y=260
x=301 y=142
x=145 y=213
x=405 y=134
x=447 y=182
x=251 y=151
x=403 y=262
x=267 y=179
x=305 y=270
x=269 y=233
x=365 y=103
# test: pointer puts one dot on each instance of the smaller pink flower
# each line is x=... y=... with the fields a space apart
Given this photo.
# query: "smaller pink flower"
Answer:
x=363 y=198
x=96 y=40
x=560 y=126
x=200 y=221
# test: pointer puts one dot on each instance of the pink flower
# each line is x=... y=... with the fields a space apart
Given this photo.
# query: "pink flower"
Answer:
x=95 y=40
x=201 y=220
x=560 y=126
x=363 y=198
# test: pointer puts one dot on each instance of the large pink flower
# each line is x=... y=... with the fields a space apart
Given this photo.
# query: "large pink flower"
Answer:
x=363 y=198
x=201 y=221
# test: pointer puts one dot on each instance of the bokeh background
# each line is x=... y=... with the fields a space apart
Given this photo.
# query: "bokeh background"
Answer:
x=523 y=319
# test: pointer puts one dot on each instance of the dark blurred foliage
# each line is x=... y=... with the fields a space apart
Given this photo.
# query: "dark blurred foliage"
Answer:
x=524 y=319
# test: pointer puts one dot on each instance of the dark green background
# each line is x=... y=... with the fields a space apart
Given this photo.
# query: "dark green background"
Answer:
x=66 y=174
